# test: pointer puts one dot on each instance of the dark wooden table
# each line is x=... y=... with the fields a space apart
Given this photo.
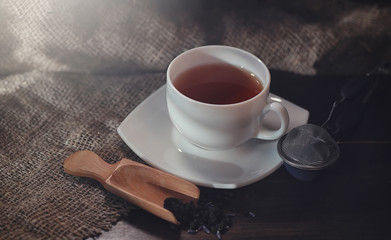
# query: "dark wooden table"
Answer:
x=351 y=200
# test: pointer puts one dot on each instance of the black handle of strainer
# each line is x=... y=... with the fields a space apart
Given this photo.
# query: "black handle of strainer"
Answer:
x=353 y=87
x=356 y=86
x=354 y=97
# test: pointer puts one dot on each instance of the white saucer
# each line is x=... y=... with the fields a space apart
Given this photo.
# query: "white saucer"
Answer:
x=148 y=131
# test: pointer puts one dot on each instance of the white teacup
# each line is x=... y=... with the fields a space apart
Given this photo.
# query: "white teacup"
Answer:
x=222 y=126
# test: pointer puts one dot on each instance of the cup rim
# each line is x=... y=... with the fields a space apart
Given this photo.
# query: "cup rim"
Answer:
x=264 y=90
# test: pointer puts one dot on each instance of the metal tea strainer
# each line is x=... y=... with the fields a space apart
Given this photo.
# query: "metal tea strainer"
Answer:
x=308 y=147
x=311 y=147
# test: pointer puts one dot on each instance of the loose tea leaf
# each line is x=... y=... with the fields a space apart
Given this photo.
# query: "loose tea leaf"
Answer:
x=206 y=216
x=252 y=214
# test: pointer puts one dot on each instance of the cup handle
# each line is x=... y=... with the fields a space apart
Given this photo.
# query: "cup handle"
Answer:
x=282 y=113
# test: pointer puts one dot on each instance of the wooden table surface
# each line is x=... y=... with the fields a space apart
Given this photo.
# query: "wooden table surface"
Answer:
x=351 y=200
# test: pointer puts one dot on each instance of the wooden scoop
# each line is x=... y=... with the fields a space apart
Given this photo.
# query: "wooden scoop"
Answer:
x=140 y=184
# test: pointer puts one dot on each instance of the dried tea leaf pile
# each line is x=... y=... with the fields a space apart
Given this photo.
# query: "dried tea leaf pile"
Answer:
x=206 y=216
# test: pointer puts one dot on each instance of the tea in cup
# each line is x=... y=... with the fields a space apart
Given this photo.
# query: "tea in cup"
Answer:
x=217 y=97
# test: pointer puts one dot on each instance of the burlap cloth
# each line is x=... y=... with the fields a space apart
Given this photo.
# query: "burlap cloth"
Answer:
x=71 y=71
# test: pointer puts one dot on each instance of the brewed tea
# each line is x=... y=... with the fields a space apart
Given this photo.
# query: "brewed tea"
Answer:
x=218 y=84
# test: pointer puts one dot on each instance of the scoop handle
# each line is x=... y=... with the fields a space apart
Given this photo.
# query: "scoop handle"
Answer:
x=88 y=164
